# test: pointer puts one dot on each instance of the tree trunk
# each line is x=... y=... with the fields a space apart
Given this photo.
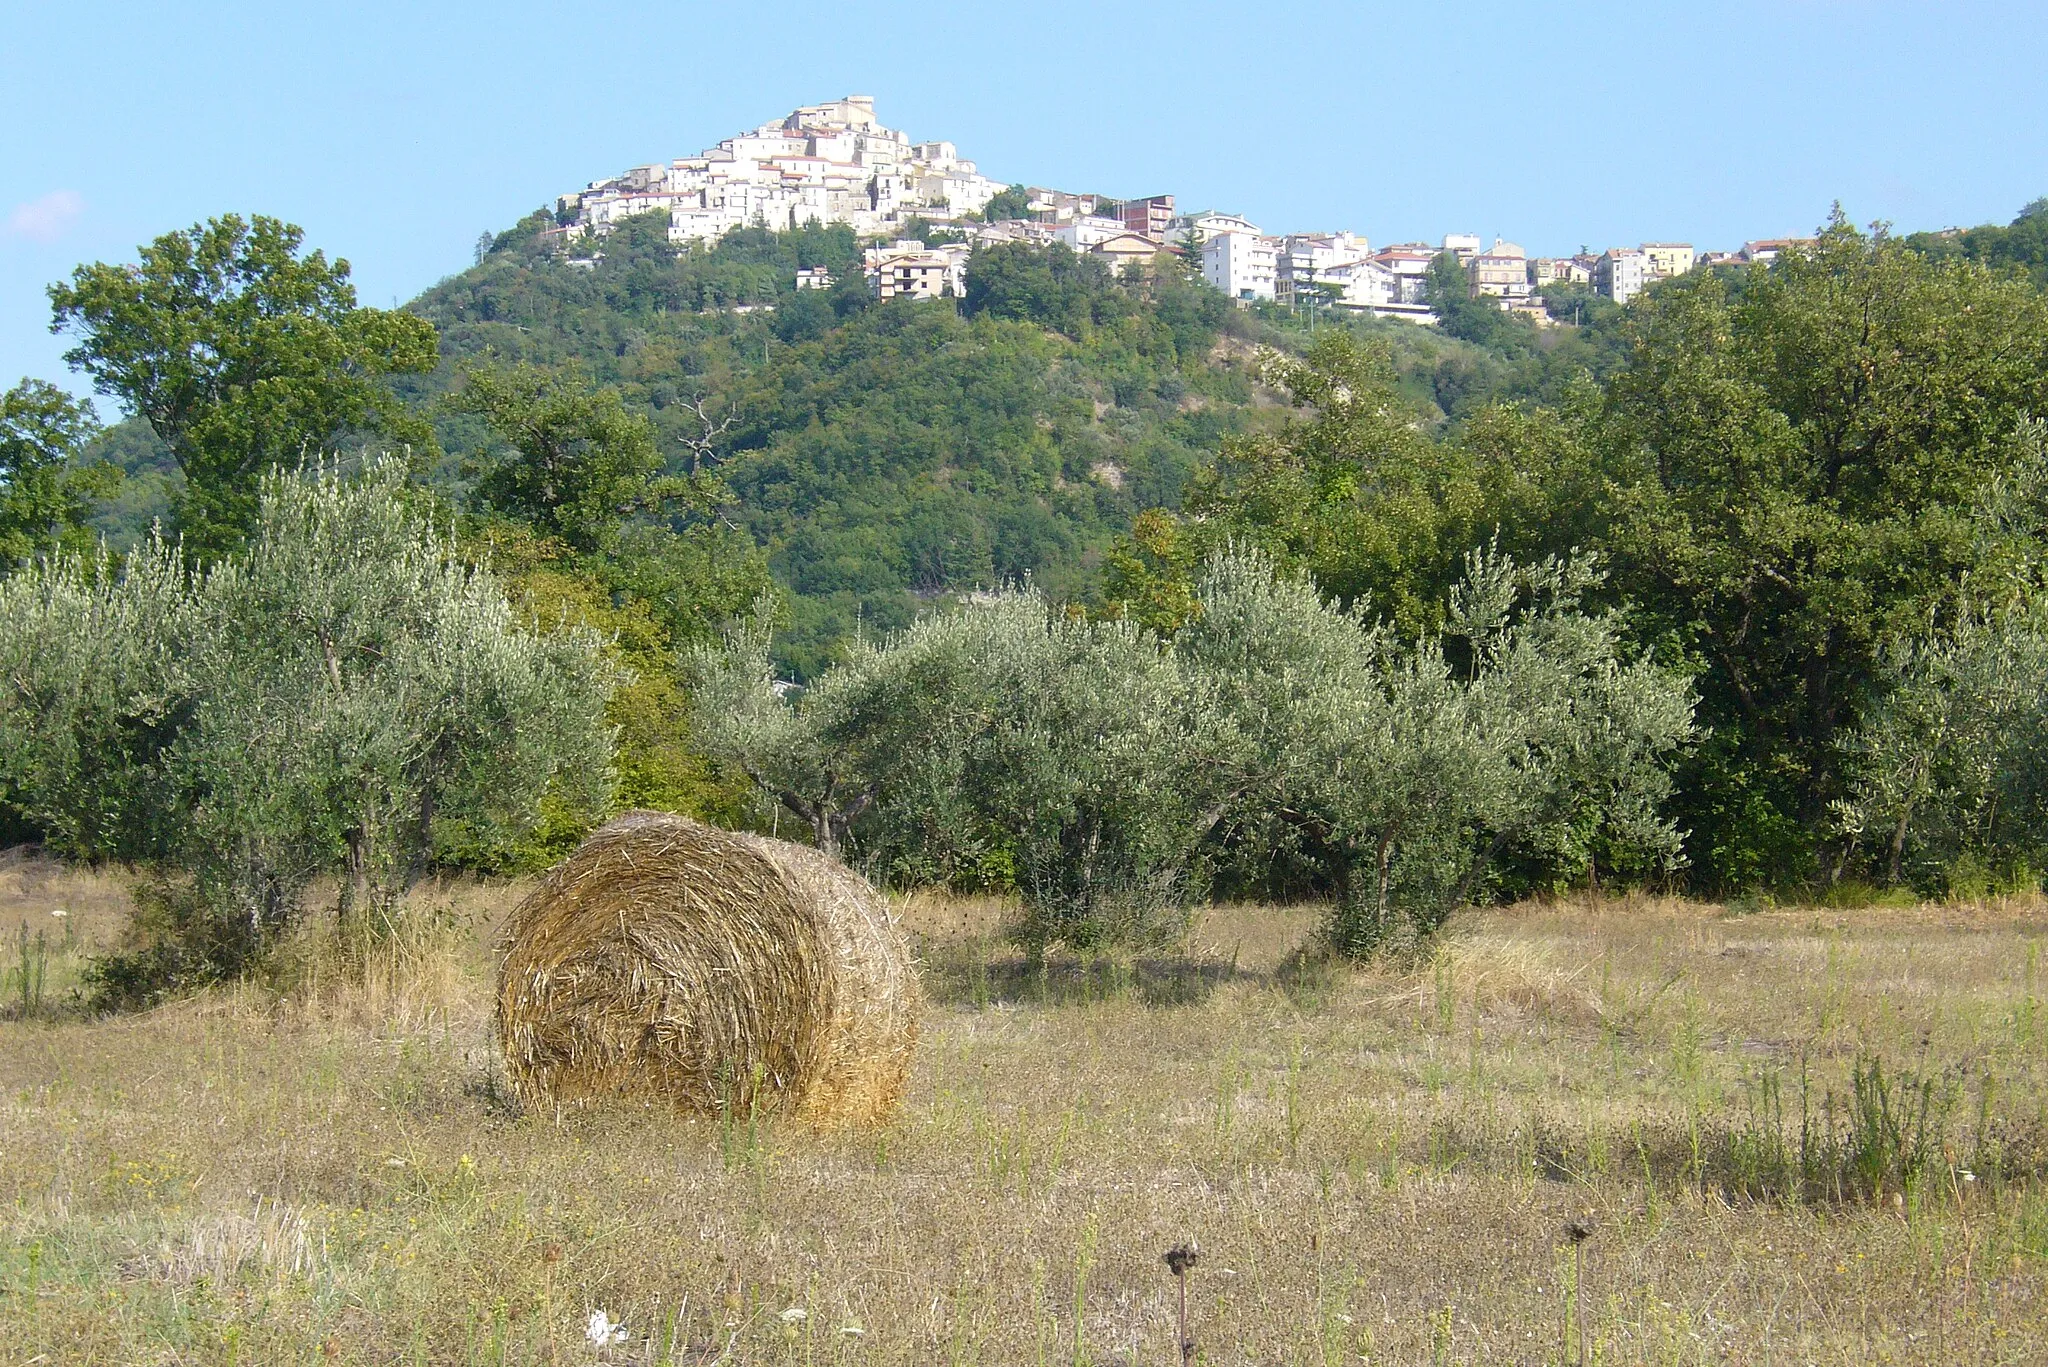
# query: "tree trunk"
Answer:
x=1898 y=847
x=1385 y=870
x=355 y=888
x=423 y=837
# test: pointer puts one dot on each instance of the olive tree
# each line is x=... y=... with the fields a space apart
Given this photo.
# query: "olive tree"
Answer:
x=97 y=687
x=346 y=697
x=367 y=693
x=1005 y=738
x=1950 y=768
x=1105 y=772
x=1399 y=773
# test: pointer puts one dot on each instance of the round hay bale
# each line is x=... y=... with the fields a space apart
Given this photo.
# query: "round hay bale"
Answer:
x=710 y=969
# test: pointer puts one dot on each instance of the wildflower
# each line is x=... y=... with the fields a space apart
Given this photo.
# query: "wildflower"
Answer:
x=602 y=1331
x=59 y=912
x=1968 y=1176
x=852 y=1330
x=796 y=1314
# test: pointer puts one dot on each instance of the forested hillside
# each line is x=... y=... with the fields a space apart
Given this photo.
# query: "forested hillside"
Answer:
x=878 y=454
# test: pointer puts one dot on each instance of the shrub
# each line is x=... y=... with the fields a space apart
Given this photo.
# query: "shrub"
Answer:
x=1399 y=776
x=1005 y=737
x=1108 y=772
x=345 y=697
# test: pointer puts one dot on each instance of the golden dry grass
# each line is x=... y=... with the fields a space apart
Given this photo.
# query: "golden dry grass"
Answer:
x=1378 y=1165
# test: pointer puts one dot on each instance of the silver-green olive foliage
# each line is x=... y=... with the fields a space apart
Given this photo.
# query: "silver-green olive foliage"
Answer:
x=1949 y=770
x=1105 y=773
x=343 y=697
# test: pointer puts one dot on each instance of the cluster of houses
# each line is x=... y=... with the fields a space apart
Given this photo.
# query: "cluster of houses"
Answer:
x=835 y=163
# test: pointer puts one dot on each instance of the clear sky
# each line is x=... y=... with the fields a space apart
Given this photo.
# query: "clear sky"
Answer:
x=395 y=133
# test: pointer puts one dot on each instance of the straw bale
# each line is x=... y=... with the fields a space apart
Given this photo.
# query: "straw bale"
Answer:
x=709 y=969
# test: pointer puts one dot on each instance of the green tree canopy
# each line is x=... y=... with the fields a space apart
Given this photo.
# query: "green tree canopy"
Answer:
x=1795 y=467
x=45 y=499
x=1357 y=494
x=2023 y=243
x=572 y=461
x=1013 y=202
x=244 y=354
x=1053 y=286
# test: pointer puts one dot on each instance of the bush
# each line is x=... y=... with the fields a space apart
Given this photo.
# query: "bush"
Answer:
x=1399 y=776
x=344 y=698
x=1004 y=742
x=1109 y=772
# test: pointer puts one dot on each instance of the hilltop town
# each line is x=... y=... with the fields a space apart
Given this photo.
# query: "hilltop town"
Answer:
x=837 y=163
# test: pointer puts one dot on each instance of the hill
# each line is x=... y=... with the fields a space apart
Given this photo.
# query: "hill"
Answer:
x=878 y=453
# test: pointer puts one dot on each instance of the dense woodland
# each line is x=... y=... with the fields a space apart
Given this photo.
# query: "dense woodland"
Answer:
x=1099 y=589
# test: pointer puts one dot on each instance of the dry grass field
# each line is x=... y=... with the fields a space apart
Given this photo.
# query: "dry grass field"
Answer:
x=1799 y=1136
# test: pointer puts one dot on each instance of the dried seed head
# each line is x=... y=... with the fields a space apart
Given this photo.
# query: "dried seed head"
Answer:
x=1579 y=1229
x=1181 y=1257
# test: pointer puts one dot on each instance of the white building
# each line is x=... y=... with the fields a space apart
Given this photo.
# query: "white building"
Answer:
x=1208 y=223
x=828 y=163
x=1367 y=285
x=1013 y=230
x=1551 y=270
x=1408 y=263
x=1244 y=265
x=1621 y=273
x=1464 y=246
x=1057 y=206
x=813 y=278
x=907 y=269
x=1769 y=249
x=1309 y=258
x=1088 y=230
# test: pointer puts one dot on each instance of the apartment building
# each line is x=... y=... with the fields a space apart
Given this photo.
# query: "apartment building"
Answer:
x=1408 y=263
x=907 y=269
x=1149 y=217
x=1015 y=230
x=1621 y=273
x=1244 y=265
x=1087 y=231
x=1306 y=259
x=1668 y=259
x=1208 y=223
x=1501 y=272
x=1558 y=270
x=1057 y=206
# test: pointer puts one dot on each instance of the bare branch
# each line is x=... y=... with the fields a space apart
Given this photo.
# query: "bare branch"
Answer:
x=703 y=450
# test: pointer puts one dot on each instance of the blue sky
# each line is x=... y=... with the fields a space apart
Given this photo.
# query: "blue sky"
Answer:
x=396 y=133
